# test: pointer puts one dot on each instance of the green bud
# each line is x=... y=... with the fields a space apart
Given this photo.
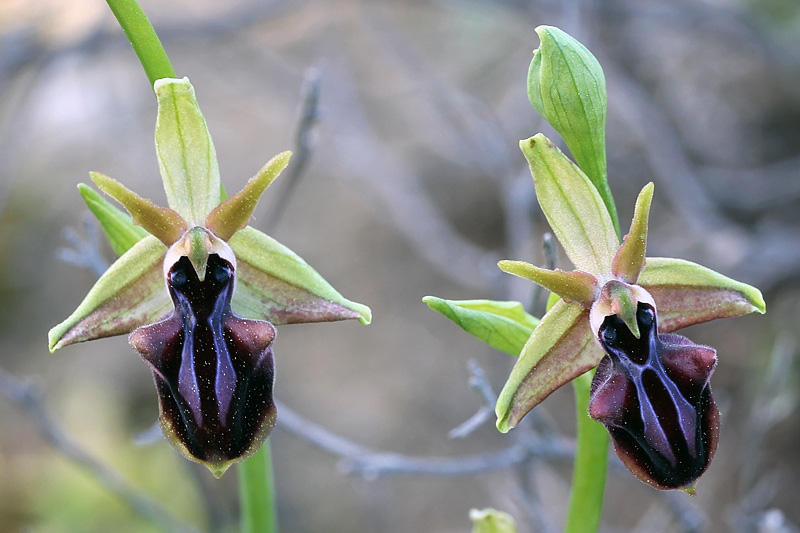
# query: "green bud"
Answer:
x=567 y=87
x=491 y=521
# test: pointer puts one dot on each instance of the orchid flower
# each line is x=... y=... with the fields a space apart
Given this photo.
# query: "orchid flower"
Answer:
x=615 y=312
x=615 y=308
x=200 y=291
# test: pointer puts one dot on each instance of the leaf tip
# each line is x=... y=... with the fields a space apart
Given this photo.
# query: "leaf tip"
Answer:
x=505 y=264
x=57 y=337
x=431 y=300
x=286 y=155
x=365 y=315
x=503 y=410
x=52 y=340
x=503 y=426
x=174 y=82
x=757 y=301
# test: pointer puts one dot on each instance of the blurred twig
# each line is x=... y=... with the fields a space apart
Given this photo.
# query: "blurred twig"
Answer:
x=526 y=492
x=303 y=145
x=26 y=49
x=686 y=514
x=371 y=464
x=755 y=190
x=662 y=147
x=550 y=258
x=401 y=195
x=29 y=399
x=765 y=256
x=481 y=385
x=83 y=252
x=519 y=206
x=774 y=402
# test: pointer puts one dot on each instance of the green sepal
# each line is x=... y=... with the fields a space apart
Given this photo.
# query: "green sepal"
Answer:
x=687 y=293
x=573 y=207
x=120 y=231
x=491 y=521
x=502 y=325
x=186 y=154
x=164 y=224
x=573 y=286
x=567 y=87
x=630 y=258
x=561 y=348
x=234 y=213
x=275 y=284
x=131 y=293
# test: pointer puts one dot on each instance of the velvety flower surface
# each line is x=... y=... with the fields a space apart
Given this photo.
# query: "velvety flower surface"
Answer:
x=214 y=370
x=200 y=290
x=653 y=395
x=621 y=303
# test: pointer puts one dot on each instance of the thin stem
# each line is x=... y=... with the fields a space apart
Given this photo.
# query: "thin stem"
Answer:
x=143 y=38
x=591 y=461
x=257 y=493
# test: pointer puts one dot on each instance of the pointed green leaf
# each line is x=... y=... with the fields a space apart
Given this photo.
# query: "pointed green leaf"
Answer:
x=561 y=348
x=630 y=257
x=132 y=292
x=122 y=234
x=567 y=87
x=234 y=213
x=574 y=286
x=275 y=284
x=491 y=521
x=164 y=224
x=186 y=154
x=573 y=207
x=687 y=293
x=502 y=325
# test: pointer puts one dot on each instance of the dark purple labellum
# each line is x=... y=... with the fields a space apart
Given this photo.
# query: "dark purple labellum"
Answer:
x=654 y=397
x=213 y=370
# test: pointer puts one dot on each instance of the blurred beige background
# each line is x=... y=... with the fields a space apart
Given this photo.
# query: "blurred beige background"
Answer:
x=414 y=186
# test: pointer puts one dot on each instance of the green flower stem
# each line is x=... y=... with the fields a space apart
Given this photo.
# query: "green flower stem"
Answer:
x=257 y=493
x=143 y=38
x=591 y=461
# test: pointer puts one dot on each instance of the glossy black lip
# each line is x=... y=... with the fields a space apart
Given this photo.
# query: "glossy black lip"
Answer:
x=654 y=397
x=213 y=370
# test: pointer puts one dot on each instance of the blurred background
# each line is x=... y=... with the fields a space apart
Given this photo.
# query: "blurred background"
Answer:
x=409 y=115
